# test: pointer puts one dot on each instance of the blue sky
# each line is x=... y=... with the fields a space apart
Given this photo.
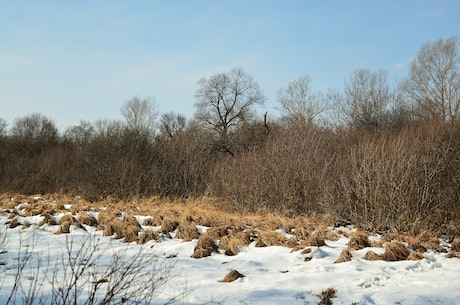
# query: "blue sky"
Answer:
x=74 y=60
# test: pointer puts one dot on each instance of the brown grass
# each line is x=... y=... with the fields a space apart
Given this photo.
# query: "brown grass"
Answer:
x=315 y=240
x=270 y=238
x=217 y=232
x=148 y=235
x=87 y=219
x=168 y=225
x=149 y=222
x=232 y=276
x=359 y=240
x=395 y=251
x=415 y=256
x=187 y=232
x=64 y=228
x=345 y=256
x=372 y=256
x=205 y=246
x=68 y=218
x=455 y=245
x=326 y=295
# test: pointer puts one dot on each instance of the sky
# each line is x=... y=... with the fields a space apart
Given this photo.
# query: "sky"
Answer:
x=82 y=60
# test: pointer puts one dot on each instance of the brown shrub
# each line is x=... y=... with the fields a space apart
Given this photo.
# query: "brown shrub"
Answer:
x=270 y=238
x=455 y=245
x=187 y=232
x=232 y=276
x=359 y=240
x=372 y=256
x=395 y=251
x=345 y=256
x=205 y=246
x=149 y=235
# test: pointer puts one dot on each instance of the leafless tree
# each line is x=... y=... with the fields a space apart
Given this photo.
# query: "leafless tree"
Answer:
x=225 y=101
x=367 y=98
x=80 y=134
x=140 y=114
x=172 y=124
x=433 y=84
x=34 y=127
x=300 y=106
x=3 y=126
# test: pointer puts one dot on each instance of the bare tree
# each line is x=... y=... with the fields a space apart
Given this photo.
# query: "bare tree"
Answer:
x=3 y=125
x=140 y=114
x=226 y=100
x=367 y=98
x=80 y=134
x=433 y=84
x=299 y=104
x=34 y=127
x=172 y=123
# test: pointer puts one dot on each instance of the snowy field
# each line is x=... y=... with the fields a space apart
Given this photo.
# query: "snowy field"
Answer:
x=38 y=265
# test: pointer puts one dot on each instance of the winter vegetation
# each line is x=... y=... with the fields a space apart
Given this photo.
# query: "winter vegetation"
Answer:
x=368 y=176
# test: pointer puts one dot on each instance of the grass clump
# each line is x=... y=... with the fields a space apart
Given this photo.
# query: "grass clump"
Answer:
x=345 y=256
x=326 y=295
x=205 y=246
x=233 y=275
x=359 y=240
x=395 y=251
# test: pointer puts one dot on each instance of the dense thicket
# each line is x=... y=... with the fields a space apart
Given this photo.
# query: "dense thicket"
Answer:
x=379 y=163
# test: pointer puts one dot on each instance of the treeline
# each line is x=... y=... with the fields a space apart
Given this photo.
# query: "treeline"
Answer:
x=381 y=158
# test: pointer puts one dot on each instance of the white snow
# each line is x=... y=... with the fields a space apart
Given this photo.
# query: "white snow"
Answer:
x=273 y=275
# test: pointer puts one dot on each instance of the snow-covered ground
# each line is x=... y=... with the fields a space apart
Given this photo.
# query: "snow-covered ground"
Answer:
x=273 y=275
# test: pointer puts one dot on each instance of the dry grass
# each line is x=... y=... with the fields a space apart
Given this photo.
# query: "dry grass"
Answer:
x=232 y=246
x=232 y=276
x=395 y=251
x=148 y=235
x=326 y=295
x=415 y=256
x=455 y=245
x=372 y=256
x=169 y=225
x=359 y=240
x=345 y=256
x=270 y=238
x=205 y=246
x=87 y=219
x=187 y=232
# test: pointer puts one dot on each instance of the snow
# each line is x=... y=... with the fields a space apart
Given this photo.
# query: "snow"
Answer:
x=273 y=275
